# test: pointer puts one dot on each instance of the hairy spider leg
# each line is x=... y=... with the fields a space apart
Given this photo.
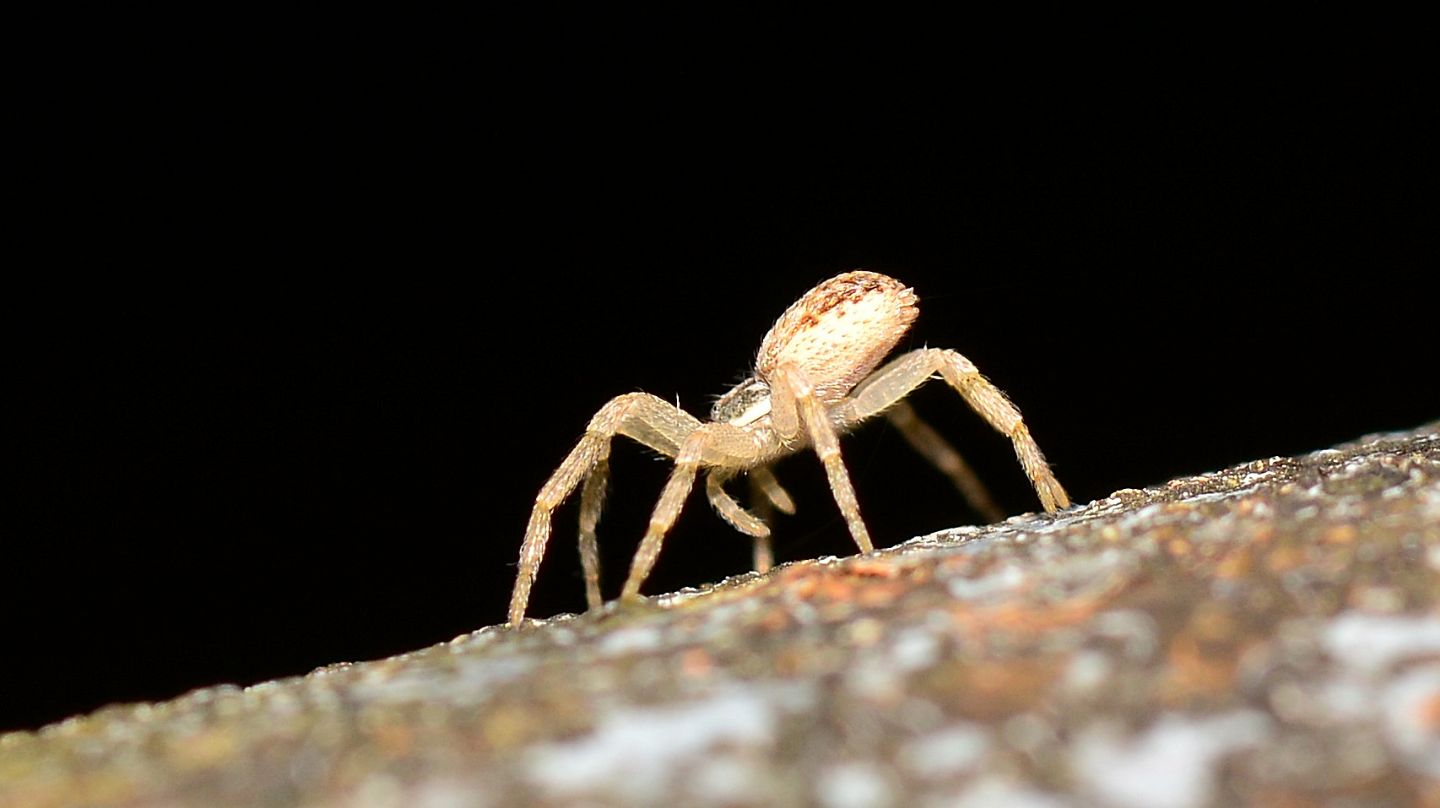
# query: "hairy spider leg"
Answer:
x=901 y=376
x=930 y=445
x=645 y=418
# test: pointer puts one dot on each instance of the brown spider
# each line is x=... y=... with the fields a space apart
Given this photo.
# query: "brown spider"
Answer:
x=813 y=382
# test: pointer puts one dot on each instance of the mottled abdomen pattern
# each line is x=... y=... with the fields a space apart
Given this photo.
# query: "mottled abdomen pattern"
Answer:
x=839 y=331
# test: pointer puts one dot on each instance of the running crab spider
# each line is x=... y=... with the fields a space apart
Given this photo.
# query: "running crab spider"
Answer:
x=814 y=380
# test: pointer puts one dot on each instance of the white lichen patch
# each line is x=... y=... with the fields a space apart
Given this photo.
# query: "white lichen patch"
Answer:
x=446 y=793
x=728 y=781
x=1342 y=699
x=1173 y=764
x=1411 y=704
x=470 y=681
x=880 y=667
x=1000 y=791
x=1087 y=673
x=874 y=680
x=1373 y=644
x=947 y=752
x=1088 y=574
x=1430 y=504
x=853 y=785
x=998 y=583
x=913 y=649
x=630 y=640
x=1136 y=631
x=639 y=753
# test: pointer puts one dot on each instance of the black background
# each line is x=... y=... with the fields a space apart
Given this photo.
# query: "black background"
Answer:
x=302 y=348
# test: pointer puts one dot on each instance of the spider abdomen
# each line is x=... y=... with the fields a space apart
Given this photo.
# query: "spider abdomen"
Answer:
x=839 y=331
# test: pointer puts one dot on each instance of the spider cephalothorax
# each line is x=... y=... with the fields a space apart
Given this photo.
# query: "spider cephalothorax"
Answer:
x=815 y=379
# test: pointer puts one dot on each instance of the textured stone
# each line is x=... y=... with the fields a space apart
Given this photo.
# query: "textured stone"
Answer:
x=1266 y=633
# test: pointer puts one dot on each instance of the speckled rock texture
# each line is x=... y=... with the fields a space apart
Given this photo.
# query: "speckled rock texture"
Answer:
x=1267 y=634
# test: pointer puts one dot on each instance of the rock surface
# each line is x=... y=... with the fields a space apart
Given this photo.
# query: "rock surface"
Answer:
x=1269 y=634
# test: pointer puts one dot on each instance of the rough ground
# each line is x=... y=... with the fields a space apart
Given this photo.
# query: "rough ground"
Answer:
x=1267 y=634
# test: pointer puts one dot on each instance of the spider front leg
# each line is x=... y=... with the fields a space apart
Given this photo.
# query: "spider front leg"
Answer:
x=797 y=401
x=709 y=444
x=900 y=377
x=645 y=418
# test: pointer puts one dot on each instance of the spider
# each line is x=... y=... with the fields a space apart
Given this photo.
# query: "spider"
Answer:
x=814 y=380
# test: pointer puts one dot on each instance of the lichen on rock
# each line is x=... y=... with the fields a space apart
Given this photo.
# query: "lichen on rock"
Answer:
x=1269 y=632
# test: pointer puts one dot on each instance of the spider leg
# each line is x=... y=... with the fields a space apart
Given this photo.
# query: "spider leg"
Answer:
x=643 y=417
x=766 y=497
x=930 y=445
x=896 y=380
x=755 y=525
x=730 y=510
x=592 y=500
x=764 y=482
x=709 y=444
x=816 y=420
